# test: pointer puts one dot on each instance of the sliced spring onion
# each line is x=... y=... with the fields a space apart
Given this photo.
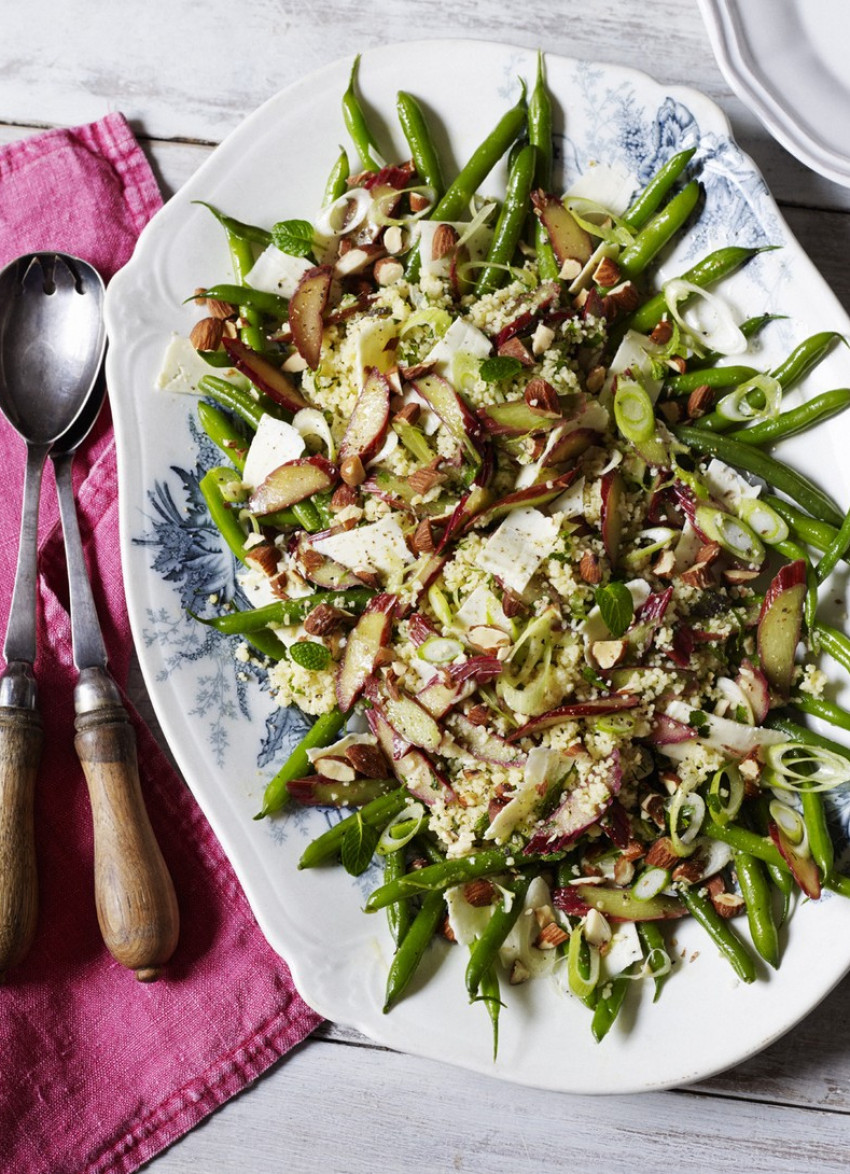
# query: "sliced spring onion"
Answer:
x=633 y=411
x=479 y=218
x=687 y=812
x=439 y=650
x=621 y=725
x=346 y=212
x=311 y=422
x=791 y=766
x=440 y=606
x=734 y=535
x=582 y=965
x=650 y=883
x=711 y=325
x=432 y=316
x=757 y=399
x=598 y=221
x=763 y=520
x=725 y=794
x=408 y=823
x=790 y=823
x=656 y=538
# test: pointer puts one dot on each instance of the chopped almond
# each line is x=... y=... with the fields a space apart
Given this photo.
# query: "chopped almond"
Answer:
x=368 y=761
x=700 y=401
x=513 y=348
x=661 y=854
x=589 y=568
x=479 y=893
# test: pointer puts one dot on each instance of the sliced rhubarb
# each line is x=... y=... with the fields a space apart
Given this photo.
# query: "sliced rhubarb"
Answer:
x=571 y=245
x=514 y=418
x=571 y=444
x=291 y=483
x=369 y=420
x=803 y=868
x=753 y=684
x=306 y=309
x=485 y=745
x=597 y=707
x=613 y=494
x=369 y=636
x=583 y=806
x=414 y=769
x=442 y=398
x=779 y=624
x=410 y=720
x=533 y=496
x=615 y=904
x=265 y=375
x=319 y=791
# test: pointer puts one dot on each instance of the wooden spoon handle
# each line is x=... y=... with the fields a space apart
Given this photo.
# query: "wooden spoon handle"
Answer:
x=134 y=895
x=20 y=750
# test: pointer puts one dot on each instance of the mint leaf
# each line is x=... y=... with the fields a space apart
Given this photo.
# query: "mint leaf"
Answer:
x=310 y=655
x=617 y=607
x=358 y=846
x=499 y=367
x=294 y=237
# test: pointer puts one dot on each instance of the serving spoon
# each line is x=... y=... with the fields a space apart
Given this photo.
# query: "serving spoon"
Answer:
x=59 y=349
x=51 y=347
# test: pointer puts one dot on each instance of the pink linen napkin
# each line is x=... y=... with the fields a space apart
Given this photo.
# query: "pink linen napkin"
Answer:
x=100 y=1072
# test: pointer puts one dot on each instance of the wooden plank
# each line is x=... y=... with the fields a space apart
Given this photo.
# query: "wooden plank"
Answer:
x=329 y=1108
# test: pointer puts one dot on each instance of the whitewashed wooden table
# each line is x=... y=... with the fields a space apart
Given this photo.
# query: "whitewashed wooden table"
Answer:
x=185 y=74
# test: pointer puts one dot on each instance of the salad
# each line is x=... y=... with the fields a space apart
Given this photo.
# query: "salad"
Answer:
x=489 y=489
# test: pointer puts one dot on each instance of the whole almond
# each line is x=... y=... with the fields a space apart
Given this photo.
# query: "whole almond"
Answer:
x=368 y=761
x=479 y=893
x=206 y=334
x=352 y=472
x=423 y=540
x=661 y=854
x=700 y=401
x=589 y=568
x=444 y=241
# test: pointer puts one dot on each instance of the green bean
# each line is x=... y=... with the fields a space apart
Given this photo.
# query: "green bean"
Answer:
x=224 y=517
x=238 y=228
x=835 y=643
x=743 y=840
x=484 y=158
x=753 y=460
x=838 y=883
x=804 y=357
x=658 y=232
x=288 y=611
x=245 y=295
x=817 y=409
x=399 y=914
x=378 y=813
x=705 y=273
x=640 y=210
x=221 y=431
x=268 y=644
x=337 y=184
x=652 y=940
x=809 y=530
x=485 y=949
x=716 y=377
x=438 y=877
x=322 y=732
x=490 y=996
x=422 y=149
x=720 y=932
x=820 y=841
x=412 y=949
x=242 y=260
x=608 y=1004
x=357 y=126
x=540 y=136
x=512 y=219
x=249 y=407
x=836 y=550
x=308 y=516
x=819 y=707
x=756 y=892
